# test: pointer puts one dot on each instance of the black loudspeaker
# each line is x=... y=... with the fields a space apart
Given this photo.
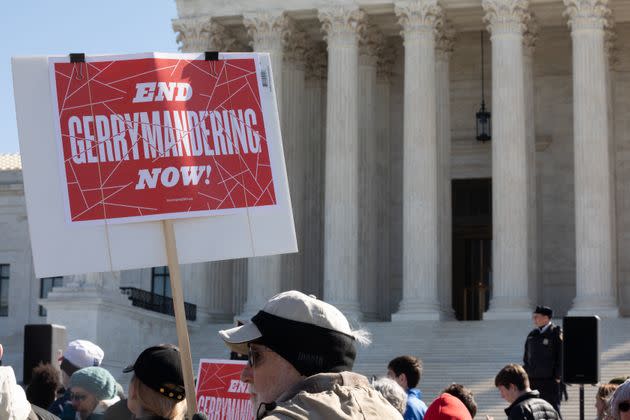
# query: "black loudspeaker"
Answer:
x=581 y=349
x=41 y=343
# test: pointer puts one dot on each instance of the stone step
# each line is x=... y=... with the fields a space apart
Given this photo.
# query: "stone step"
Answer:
x=470 y=353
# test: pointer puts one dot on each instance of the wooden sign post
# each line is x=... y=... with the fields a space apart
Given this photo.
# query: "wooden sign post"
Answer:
x=180 y=316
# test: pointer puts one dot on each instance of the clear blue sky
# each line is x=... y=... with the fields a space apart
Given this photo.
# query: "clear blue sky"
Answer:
x=46 y=27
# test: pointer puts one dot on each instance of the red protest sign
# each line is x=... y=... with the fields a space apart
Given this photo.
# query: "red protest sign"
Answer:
x=220 y=392
x=158 y=138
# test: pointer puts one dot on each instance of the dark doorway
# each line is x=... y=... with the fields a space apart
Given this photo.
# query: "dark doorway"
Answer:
x=472 y=247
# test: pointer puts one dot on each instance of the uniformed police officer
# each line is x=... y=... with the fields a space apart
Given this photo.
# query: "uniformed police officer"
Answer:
x=543 y=356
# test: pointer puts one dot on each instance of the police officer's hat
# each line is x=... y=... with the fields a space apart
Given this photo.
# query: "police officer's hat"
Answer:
x=544 y=310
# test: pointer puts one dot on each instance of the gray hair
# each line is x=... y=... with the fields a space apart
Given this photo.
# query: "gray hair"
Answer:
x=621 y=394
x=392 y=392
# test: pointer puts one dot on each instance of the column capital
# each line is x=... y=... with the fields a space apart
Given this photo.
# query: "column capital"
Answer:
x=221 y=39
x=295 y=42
x=316 y=67
x=445 y=40
x=341 y=24
x=371 y=41
x=506 y=16
x=587 y=14
x=266 y=28
x=530 y=35
x=385 y=62
x=418 y=16
x=192 y=33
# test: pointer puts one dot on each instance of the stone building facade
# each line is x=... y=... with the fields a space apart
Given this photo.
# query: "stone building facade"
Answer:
x=400 y=213
x=394 y=200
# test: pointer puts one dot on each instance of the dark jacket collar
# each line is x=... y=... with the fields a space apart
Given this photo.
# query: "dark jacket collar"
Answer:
x=527 y=395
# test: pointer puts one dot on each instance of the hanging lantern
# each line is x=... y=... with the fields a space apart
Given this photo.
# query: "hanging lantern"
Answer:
x=484 y=124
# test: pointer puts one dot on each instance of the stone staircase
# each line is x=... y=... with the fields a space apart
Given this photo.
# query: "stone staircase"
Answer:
x=470 y=353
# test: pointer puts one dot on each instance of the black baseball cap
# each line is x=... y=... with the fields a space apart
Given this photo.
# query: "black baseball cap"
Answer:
x=160 y=368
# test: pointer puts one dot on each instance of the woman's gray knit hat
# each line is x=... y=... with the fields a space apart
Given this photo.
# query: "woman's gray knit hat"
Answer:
x=621 y=394
x=95 y=380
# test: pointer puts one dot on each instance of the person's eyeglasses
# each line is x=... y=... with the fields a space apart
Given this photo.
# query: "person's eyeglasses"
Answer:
x=624 y=406
x=254 y=356
x=78 y=397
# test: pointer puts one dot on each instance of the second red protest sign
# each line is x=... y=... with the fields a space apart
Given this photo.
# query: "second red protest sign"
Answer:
x=220 y=392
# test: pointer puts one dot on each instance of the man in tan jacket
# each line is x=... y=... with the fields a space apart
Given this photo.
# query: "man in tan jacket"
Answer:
x=301 y=352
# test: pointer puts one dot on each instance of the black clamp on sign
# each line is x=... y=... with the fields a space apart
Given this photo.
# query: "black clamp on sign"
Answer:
x=212 y=55
x=77 y=57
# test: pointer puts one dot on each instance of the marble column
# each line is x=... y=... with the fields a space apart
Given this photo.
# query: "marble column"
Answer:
x=443 y=50
x=264 y=273
x=594 y=217
x=419 y=20
x=612 y=59
x=239 y=287
x=506 y=19
x=208 y=285
x=267 y=30
x=341 y=25
x=315 y=77
x=293 y=139
x=529 y=44
x=370 y=43
x=196 y=288
x=384 y=73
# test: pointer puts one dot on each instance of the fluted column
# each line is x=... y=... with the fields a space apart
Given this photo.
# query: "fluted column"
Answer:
x=209 y=286
x=267 y=29
x=595 y=270
x=529 y=44
x=443 y=50
x=264 y=273
x=315 y=76
x=196 y=288
x=239 y=286
x=420 y=194
x=370 y=44
x=506 y=19
x=193 y=33
x=341 y=25
x=386 y=59
x=612 y=59
x=293 y=139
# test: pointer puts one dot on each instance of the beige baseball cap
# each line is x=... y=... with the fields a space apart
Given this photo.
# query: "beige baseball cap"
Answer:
x=295 y=307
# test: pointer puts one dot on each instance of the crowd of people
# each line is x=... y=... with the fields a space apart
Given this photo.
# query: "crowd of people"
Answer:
x=300 y=353
x=83 y=390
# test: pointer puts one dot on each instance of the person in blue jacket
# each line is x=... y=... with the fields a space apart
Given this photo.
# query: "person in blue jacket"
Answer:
x=407 y=371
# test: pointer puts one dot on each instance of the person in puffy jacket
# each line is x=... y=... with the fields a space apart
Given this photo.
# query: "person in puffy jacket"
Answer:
x=525 y=404
x=301 y=353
